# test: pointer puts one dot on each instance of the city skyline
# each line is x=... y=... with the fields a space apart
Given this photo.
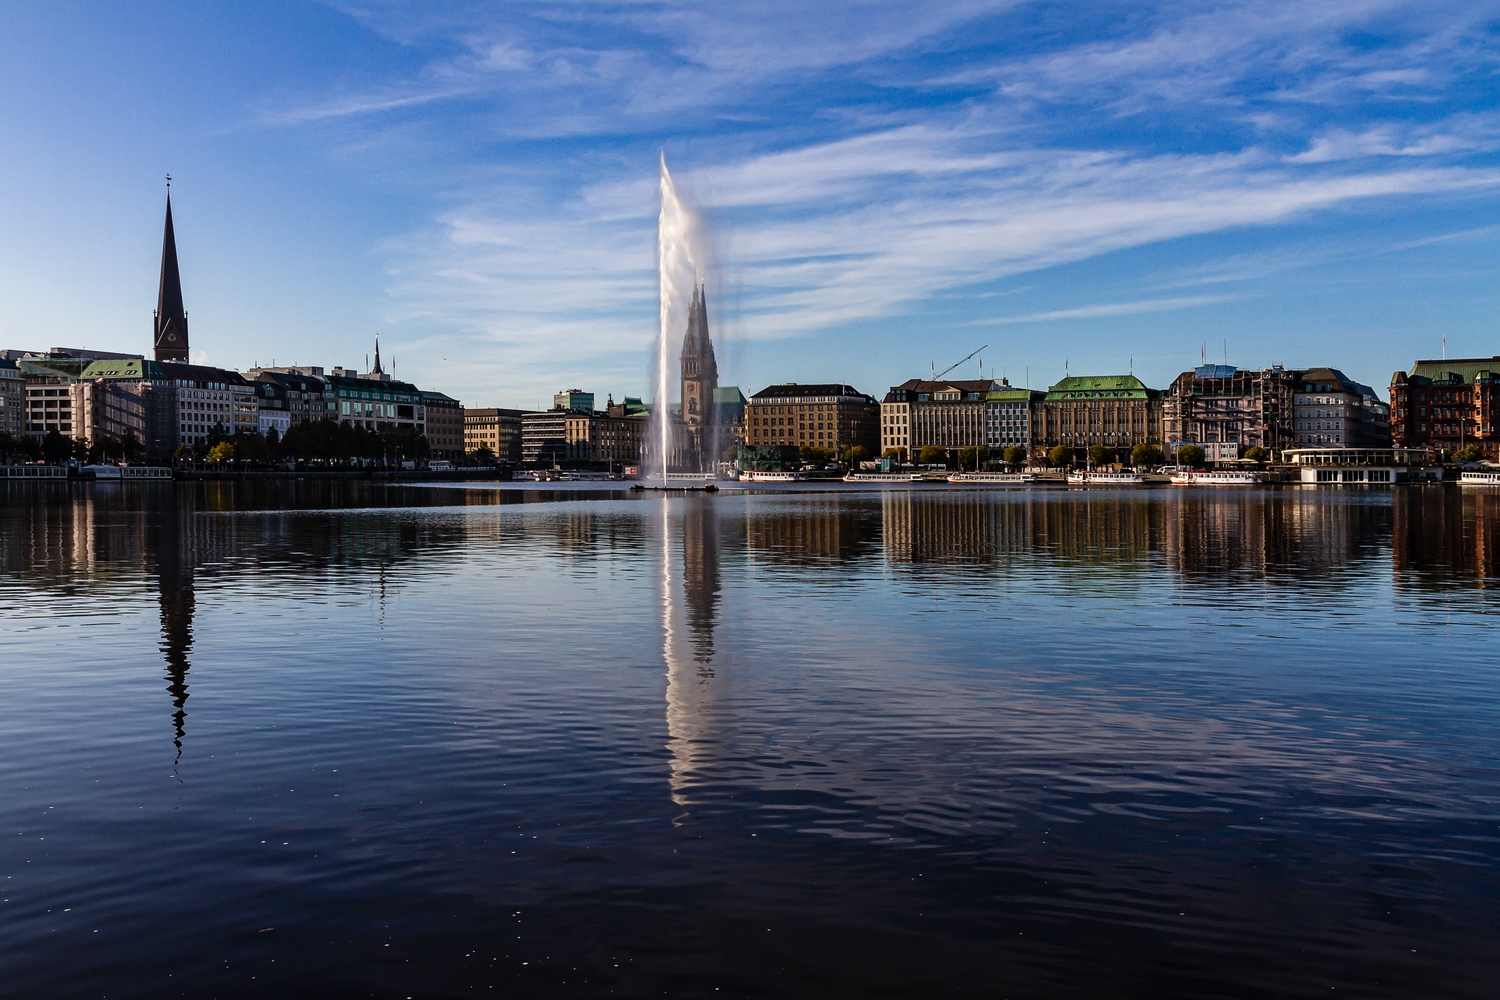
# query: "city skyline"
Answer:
x=1090 y=193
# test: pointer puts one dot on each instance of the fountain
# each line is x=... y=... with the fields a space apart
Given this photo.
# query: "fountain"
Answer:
x=678 y=258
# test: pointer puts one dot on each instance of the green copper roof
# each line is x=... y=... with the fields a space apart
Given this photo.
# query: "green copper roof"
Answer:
x=1013 y=395
x=1101 y=387
x=124 y=368
x=1466 y=369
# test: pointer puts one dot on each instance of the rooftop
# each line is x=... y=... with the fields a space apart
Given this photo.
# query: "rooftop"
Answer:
x=1101 y=387
x=1459 y=371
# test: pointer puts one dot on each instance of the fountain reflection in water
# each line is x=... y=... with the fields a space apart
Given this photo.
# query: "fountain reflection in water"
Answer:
x=689 y=612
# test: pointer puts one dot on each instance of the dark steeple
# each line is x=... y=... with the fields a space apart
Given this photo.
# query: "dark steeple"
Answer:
x=377 y=370
x=697 y=344
x=171 y=320
x=700 y=378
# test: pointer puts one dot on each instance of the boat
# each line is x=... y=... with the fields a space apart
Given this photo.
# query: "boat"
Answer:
x=883 y=477
x=769 y=476
x=1479 y=479
x=1091 y=478
x=1217 y=478
x=993 y=478
x=682 y=478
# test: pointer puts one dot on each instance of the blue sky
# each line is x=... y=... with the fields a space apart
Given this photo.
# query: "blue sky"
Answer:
x=884 y=185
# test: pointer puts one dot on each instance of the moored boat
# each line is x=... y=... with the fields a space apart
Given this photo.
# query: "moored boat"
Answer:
x=1105 y=479
x=1217 y=478
x=993 y=478
x=883 y=477
x=767 y=476
x=1475 y=478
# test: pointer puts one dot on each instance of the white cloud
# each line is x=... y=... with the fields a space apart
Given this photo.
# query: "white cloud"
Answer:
x=874 y=206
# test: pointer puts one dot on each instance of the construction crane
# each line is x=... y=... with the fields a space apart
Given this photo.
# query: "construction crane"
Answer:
x=957 y=363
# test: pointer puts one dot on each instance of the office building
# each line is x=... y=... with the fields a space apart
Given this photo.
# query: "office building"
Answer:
x=1329 y=408
x=1115 y=411
x=1442 y=406
x=497 y=429
x=823 y=415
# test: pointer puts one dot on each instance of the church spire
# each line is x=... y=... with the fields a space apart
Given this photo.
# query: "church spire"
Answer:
x=377 y=370
x=171 y=333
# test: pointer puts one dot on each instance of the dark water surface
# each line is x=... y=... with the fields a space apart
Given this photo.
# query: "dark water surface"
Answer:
x=362 y=740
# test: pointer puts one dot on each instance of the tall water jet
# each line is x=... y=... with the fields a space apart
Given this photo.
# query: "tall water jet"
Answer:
x=677 y=269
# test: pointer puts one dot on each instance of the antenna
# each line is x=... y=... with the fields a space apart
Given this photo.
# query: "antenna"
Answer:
x=169 y=183
x=966 y=357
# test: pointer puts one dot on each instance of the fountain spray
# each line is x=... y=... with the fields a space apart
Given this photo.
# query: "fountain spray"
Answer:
x=677 y=275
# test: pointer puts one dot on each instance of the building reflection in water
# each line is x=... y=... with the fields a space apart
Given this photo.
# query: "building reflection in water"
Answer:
x=690 y=607
x=174 y=574
x=65 y=539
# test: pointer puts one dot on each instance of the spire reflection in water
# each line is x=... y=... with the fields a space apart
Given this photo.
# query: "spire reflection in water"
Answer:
x=690 y=606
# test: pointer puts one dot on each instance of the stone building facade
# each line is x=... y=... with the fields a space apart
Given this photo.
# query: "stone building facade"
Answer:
x=822 y=415
x=1115 y=411
x=1443 y=406
x=946 y=414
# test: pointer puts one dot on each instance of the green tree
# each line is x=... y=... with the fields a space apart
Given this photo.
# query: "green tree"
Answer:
x=1257 y=454
x=814 y=455
x=1100 y=455
x=221 y=452
x=27 y=447
x=251 y=447
x=482 y=455
x=55 y=447
x=931 y=454
x=1014 y=455
x=1468 y=453
x=854 y=454
x=1190 y=454
x=1146 y=455
x=182 y=454
x=897 y=455
x=1060 y=457
x=131 y=448
x=104 y=449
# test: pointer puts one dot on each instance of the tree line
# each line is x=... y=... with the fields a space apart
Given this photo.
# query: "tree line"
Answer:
x=323 y=441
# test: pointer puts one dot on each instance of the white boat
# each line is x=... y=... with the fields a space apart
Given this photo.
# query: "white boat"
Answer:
x=1479 y=479
x=884 y=477
x=1105 y=479
x=768 y=476
x=994 y=478
x=686 y=478
x=145 y=472
x=101 y=473
x=1217 y=478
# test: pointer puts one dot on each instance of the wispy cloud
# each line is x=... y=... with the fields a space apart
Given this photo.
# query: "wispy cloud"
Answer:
x=1112 y=309
x=855 y=161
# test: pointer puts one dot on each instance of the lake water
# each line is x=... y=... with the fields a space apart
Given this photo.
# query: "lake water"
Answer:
x=362 y=740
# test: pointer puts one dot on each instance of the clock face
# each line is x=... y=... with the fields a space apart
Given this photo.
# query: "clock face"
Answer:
x=171 y=336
